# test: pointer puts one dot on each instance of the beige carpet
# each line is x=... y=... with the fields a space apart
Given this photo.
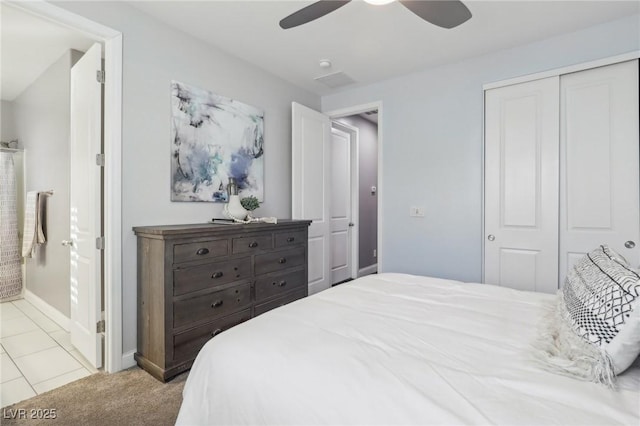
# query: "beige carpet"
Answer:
x=130 y=397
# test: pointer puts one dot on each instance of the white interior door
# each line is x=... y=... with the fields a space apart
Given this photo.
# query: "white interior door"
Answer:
x=340 y=206
x=599 y=178
x=521 y=186
x=311 y=138
x=85 y=203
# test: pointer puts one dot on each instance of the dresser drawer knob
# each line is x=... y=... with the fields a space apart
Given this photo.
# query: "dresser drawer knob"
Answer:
x=215 y=332
x=217 y=274
x=282 y=283
x=253 y=244
x=282 y=260
x=217 y=303
x=291 y=239
x=202 y=251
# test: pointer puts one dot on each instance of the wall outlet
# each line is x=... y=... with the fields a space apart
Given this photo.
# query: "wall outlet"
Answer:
x=416 y=211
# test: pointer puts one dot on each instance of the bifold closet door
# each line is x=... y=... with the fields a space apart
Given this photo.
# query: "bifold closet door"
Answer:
x=521 y=185
x=599 y=166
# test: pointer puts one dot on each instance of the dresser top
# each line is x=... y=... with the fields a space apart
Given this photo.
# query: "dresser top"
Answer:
x=218 y=227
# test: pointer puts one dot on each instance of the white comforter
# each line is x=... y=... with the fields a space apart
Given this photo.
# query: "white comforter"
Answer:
x=395 y=349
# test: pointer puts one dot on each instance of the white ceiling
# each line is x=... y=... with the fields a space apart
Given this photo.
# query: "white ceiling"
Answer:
x=29 y=45
x=373 y=43
x=368 y=43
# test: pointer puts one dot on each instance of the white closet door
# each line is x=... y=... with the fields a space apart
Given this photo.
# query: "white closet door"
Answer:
x=599 y=163
x=521 y=185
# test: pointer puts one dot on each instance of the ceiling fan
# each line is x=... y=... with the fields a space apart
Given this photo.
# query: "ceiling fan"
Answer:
x=443 y=13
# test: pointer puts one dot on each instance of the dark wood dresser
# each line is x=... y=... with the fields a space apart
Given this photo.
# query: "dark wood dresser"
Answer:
x=195 y=281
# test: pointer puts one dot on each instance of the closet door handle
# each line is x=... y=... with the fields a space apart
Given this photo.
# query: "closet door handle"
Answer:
x=491 y=237
x=630 y=244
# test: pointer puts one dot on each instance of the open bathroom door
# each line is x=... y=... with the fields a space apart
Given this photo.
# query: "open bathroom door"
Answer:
x=86 y=205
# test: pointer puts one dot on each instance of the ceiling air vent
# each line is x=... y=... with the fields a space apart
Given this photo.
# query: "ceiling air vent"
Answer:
x=336 y=79
x=372 y=116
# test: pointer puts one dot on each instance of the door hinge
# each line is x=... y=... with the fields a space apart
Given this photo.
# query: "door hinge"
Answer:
x=100 y=160
x=100 y=243
x=100 y=327
x=100 y=76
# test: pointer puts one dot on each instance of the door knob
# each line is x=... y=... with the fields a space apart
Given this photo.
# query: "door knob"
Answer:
x=67 y=242
x=491 y=237
x=351 y=224
x=629 y=244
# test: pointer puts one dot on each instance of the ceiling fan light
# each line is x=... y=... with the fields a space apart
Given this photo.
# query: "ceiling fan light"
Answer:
x=379 y=2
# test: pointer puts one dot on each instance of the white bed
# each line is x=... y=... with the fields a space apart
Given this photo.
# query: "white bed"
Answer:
x=396 y=349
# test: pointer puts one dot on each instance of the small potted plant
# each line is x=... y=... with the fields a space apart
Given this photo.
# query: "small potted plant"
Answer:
x=250 y=203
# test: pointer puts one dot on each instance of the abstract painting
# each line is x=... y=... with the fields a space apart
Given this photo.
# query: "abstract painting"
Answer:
x=214 y=138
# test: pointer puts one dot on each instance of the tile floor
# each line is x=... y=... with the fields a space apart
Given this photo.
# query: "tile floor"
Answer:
x=36 y=354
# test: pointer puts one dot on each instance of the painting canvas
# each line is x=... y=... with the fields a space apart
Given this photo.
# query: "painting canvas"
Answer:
x=214 y=138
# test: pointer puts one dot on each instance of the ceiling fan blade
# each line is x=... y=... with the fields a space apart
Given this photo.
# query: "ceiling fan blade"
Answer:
x=443 y=13
x=313 y=11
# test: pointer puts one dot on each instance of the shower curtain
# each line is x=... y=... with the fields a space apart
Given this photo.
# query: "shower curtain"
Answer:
x=10 y=270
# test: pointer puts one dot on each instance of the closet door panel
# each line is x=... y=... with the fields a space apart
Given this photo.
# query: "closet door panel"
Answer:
x=520 y=162
x=521 y=185
x=599 y=166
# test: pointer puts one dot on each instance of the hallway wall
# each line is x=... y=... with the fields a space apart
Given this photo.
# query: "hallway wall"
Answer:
x=368 y=177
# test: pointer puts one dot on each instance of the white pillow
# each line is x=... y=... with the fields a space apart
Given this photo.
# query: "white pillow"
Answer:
x=596 y=333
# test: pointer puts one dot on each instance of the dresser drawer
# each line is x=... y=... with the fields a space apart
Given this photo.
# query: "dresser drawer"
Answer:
x=277 y=261
x=211 y=305
x=252 y=244
x=187 y=344
x=277 y=284
x=199 y=251
x=290 y=238
x=210 y=275
x=264 y=307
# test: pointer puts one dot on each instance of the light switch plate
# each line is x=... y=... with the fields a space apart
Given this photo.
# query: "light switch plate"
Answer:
x=416 y=211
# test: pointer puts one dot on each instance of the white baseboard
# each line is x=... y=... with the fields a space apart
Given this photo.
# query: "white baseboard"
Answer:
x=127 y=360
x=368 y=270
x=57 y=316
x=317 y=287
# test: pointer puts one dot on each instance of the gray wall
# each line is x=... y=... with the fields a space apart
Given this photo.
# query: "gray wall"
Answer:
x=154 y=54
x=432 y=146
x=7 y=122
x=368 y=177
x=41 y=118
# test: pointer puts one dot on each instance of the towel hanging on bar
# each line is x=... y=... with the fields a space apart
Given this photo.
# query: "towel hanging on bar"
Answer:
x=33 y=221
